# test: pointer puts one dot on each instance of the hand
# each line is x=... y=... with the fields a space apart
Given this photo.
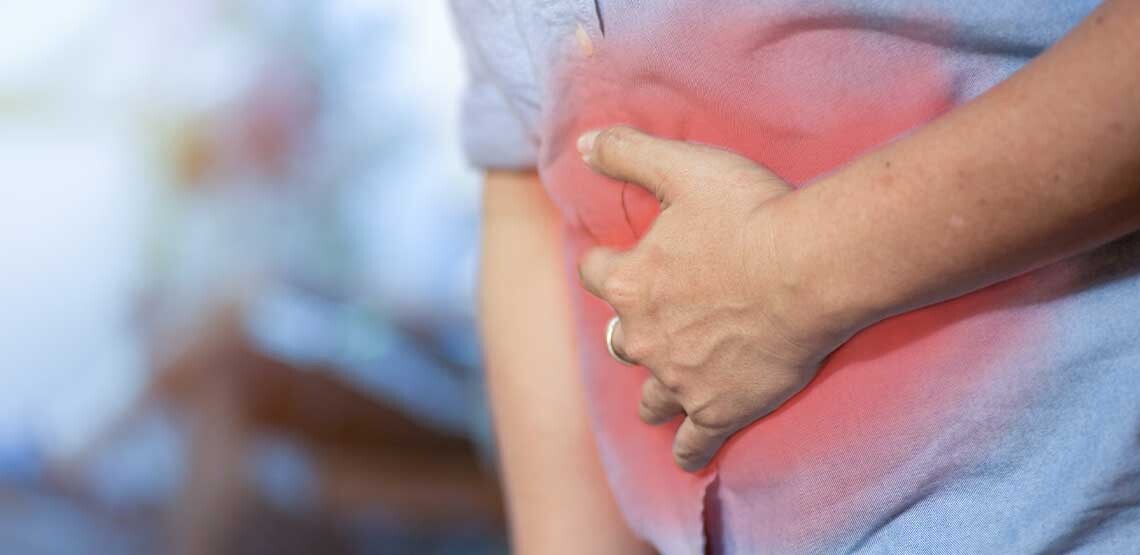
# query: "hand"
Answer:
x=704 y=304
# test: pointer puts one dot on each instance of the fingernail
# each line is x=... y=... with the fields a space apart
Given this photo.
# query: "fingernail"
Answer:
x=586 y=142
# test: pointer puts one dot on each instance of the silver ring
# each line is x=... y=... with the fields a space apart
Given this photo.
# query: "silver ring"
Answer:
x=610 y=341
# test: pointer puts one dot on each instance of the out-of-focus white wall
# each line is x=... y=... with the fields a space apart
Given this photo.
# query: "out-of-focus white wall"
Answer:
x=72 y=207
x=84 y=84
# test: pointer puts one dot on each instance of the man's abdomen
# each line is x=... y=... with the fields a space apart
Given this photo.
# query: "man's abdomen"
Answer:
x=894 y=410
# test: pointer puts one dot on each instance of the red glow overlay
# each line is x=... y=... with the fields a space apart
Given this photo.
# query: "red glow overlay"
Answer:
x=801 y=100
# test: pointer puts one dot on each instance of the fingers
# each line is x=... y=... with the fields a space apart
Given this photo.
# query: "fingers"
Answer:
x=627 y=154
x=669 y=168
x=695 y=445
x=658 y=404
x=597 y=272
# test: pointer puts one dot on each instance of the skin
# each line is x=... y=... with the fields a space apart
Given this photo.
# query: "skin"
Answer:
x=549 y=461
x=742 y=287
x=732 y=321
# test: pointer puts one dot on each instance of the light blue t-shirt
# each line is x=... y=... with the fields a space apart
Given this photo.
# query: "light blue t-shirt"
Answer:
x=1005 y=421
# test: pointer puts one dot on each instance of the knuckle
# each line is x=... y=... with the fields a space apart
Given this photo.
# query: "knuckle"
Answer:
x=614 y=142
x=714 y=421
x=672 y=382
x=740 y=178
x=621 y=134
x=656 y=406
x=647 y=412
x=779 y=389
x=594 y=258
x=649 y=391
x=686 y=453
x=646 y=402
x=618 y=290
x=636 y=346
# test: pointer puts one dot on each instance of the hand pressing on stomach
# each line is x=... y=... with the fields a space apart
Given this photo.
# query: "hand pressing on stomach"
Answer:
x=732 y=318
x=702 y=299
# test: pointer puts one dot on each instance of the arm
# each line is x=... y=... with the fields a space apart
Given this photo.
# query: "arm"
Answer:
x=1043 y=166
x=557 y=497
x=759 y=284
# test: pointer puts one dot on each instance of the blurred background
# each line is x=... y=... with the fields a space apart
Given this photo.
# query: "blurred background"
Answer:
x=237 y=252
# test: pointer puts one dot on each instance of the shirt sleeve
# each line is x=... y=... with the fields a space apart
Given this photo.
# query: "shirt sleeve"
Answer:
x=499 y=101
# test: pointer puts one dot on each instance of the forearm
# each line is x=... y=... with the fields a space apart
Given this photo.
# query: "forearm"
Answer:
x=1043 y=166
x=557 y=496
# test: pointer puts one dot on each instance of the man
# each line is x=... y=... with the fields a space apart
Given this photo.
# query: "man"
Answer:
x=780 y=326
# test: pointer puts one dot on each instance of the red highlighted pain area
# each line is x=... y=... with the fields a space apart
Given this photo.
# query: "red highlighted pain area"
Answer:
x=802 y=99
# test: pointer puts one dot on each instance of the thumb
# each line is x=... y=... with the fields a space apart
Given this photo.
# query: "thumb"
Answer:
x=668 y=168
x=627 y=154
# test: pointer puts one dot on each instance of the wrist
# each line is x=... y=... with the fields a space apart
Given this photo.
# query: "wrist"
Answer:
x=820 y=289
